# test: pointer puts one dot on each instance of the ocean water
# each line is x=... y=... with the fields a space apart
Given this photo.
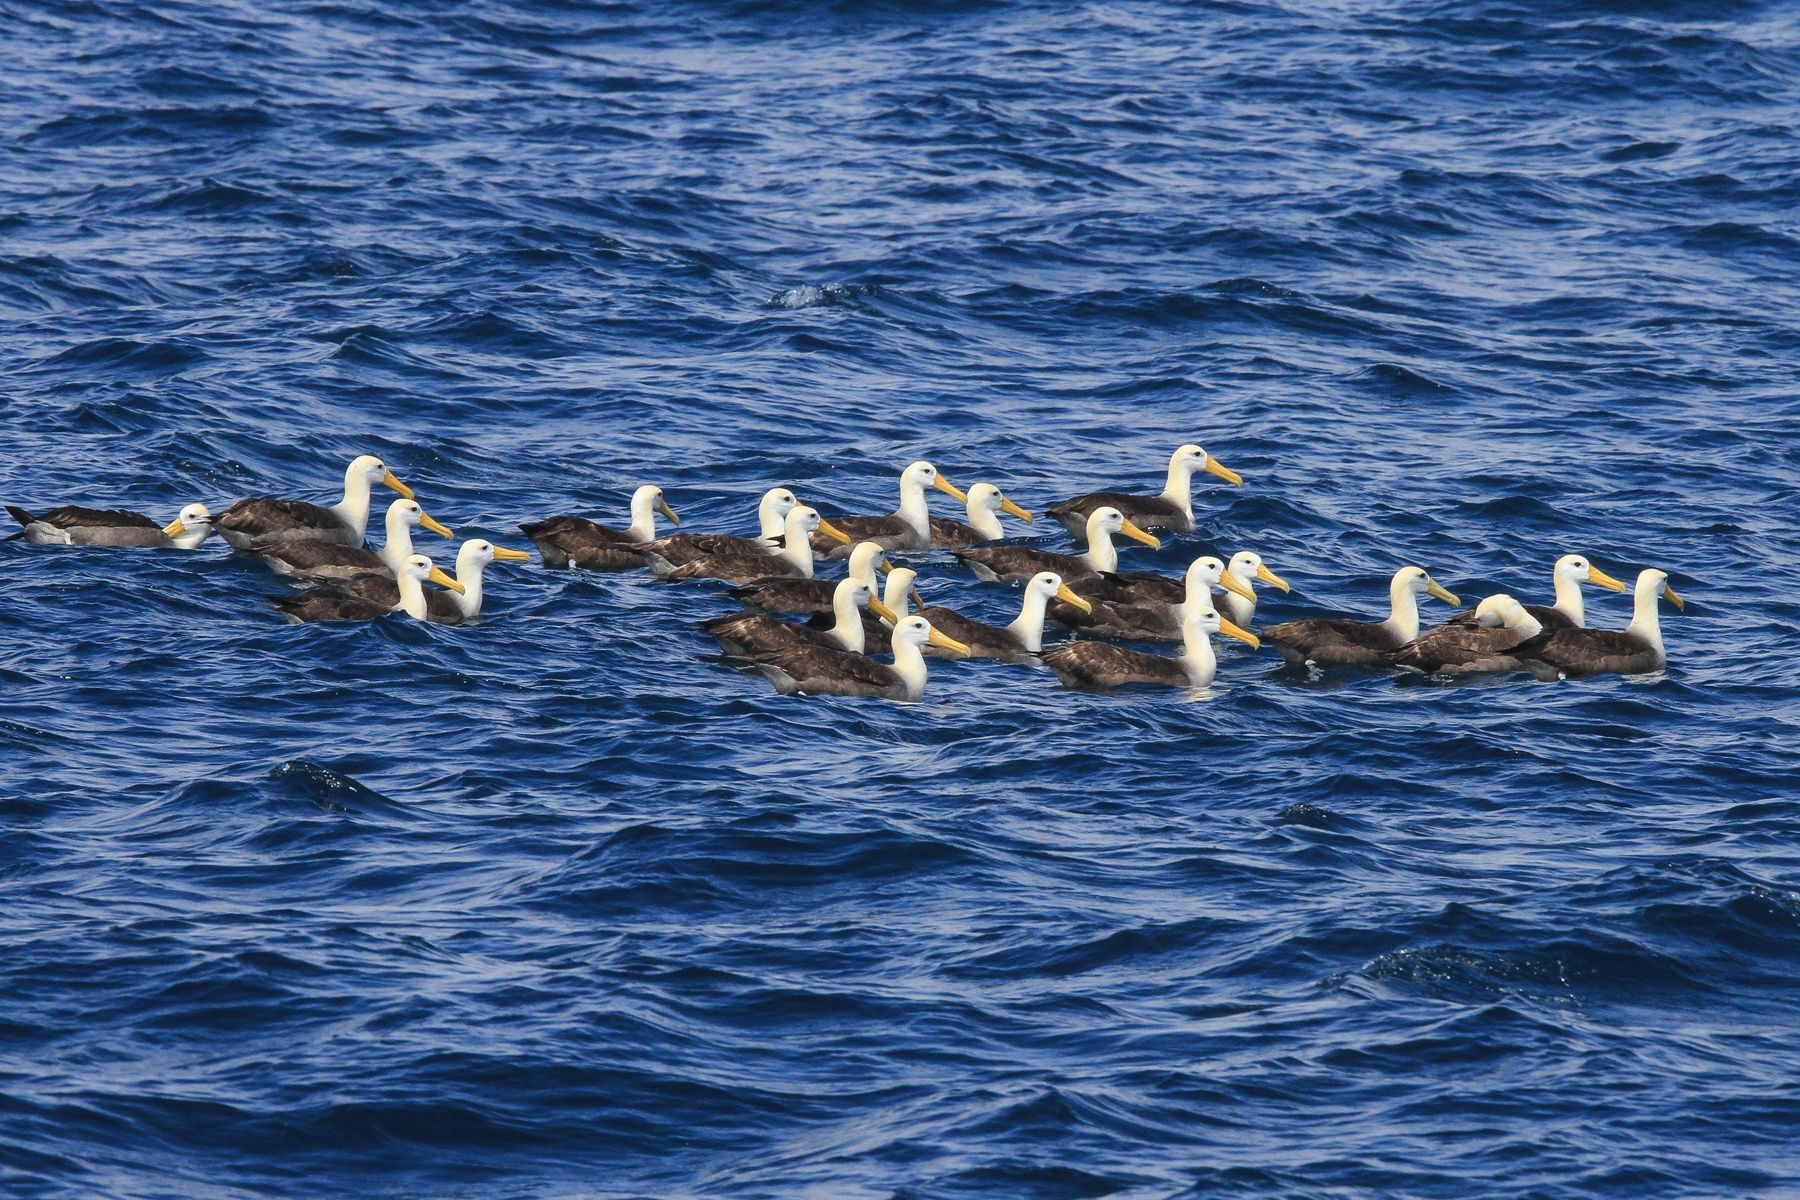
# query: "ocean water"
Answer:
x=560 y=905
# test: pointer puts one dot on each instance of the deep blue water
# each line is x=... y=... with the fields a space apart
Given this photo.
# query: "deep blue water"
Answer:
x=561 y=906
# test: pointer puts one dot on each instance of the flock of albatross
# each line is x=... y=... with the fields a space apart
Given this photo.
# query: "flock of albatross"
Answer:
x=817 y=636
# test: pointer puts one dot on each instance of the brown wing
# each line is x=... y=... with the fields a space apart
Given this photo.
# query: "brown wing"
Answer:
x=268 y=518
x=1455 y=648
x=1146 y=622
x=1330 y=642
x=92 y=526
x=759 y=634
x=1103 y=665
x=310 y=556
x=1590 y=652
x=890 y=533
x=1149 y=512
x=679 y=549
x=742 y=566
x=1548 y=617
x=1015 y=563
x=326 y=604
x=74 y=516
x=948 y=533
x=982 y=639
x=566 y=541
x=793 y=595
x=819 y=671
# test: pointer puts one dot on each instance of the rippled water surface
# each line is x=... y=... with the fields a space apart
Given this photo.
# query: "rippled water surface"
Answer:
x=560 y=905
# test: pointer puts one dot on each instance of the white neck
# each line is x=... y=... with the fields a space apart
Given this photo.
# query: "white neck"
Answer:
x=1568 y=599
x=1101 y=554
x=985 y=522
x=1197 y=654
x=412 y=596
x=849 y=628
x=1197 y=596
x=1179 y=490
x=898 y=598
x=1403 y=621
x=643 y=519
x=469 y=599
x=769 y=519
x=353 y=509
x=398 y=547
x=1028 y=628
x=1645 y=622
x=797 y=547
x=909 y=664
x=1239 y=611
x=913 y=509
x=193 y=537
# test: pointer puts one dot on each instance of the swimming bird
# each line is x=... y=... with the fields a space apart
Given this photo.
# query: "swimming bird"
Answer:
x=758 y=633
x=1570 y=610
x=1483 y=645
x=269 y=519
x=1637 y=650
x=1144 y=608
x=74 y=525
x=984 y=506
x=335 y=604
x=1011 y=564
x=907 y=527
x=1173 y=509
x=1101 y=665
x=1246 y=567
x=311 y=558
x=817 y=671
x=679 y=549
x=1020 y=641
x=1330 y=642
x=754 y=564
x=807 y=595
x=898 y=595
x=567 y=541
x=441 y=607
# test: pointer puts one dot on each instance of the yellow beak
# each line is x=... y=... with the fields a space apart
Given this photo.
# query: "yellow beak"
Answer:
x=507 y=554
x=443 y=580
x=662 y=506
x=174 y=528
x=913 y=595
x=1436 y=589
x=1596 y=575
x=1243 y=635
x=1137 y=535
x=1236 y=586
x=1215 y=467
x=1271 y=578
x=944 y=485
x=428 y=522
x=1672 y=598
x=1008 y=506
x=883 y=565
x=1067 y=597
x=391 y=480
x=828 y=529
x=883 y=611
x=948 y=643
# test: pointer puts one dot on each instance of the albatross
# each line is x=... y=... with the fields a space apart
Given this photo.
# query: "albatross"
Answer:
x=1570 y=609
x=1329 y=642
x=1482 y=645
x=311 y=558
x=817 y=671
x=1011 y=564
x=805 y=594
x=678 y=549
x=1145 y=607
x=334 y=604
x=453 y=607
x=907 y=527
x=984 y=506
x=1102 y=665
x=1246 y=567
x=1636 y=650
x=751 y=563
x=567 y=541
x=268 y=519
x=1173 y=509
x=749 y=634
x=74 y=525
x=1020 y=641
